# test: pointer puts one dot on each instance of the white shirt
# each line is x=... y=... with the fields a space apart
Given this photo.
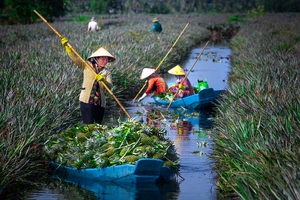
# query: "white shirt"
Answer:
x=93 y=26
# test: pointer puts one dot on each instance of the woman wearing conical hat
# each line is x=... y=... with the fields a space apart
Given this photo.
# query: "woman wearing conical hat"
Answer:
x=183 y=84
x=92 y=97
x=156 y=84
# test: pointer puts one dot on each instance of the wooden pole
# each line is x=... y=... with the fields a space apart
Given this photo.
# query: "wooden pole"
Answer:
x=188 y=73
x=163 y=59
x=77 y=54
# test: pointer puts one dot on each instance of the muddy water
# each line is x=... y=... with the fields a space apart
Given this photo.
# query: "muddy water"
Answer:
x=189 y=130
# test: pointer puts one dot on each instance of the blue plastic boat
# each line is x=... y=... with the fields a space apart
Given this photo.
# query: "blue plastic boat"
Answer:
x=146 y=170
x=121 y=191
x=205 y=98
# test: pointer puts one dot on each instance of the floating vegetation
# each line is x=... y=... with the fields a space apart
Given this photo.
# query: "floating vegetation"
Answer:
x=165 y=96
x=97 y=146
x=202 y=144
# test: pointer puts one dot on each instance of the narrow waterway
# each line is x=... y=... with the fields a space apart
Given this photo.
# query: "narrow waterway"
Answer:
x=190 y=131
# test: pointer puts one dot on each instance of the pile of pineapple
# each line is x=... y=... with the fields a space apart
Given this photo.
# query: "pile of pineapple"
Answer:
x=97 y=146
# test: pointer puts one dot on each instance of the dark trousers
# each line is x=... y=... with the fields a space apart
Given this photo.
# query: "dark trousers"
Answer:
x=91 y=113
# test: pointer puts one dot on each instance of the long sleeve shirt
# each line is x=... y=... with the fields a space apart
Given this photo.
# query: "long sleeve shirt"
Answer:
x=156 y=84
x=156 y=27
x=188 y=86
x=89 y=79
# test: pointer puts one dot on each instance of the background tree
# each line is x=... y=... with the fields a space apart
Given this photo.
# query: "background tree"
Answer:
x=99 y=7
x=21 y=11
x=106 y=6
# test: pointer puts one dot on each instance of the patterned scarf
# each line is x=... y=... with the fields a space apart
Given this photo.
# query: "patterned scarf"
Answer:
x=95 y=94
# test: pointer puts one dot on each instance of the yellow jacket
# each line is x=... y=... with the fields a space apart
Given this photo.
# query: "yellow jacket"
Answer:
x=89 y=79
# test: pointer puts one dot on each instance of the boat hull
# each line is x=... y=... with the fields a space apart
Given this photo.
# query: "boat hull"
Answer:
x=205 y=98
x=146 y=170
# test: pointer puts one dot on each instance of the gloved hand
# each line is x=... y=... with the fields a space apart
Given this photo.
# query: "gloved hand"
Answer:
x=182 y=87
x=99 y=77
x=142 y=97
x=64 y=42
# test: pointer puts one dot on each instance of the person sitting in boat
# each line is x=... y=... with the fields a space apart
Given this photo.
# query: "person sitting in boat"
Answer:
x=156 y=84
x=182 y=83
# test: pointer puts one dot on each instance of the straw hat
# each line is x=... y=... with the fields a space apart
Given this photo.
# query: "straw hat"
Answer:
x=147 y=72
x=155 y=20
x=102 y=52
x=177 y=70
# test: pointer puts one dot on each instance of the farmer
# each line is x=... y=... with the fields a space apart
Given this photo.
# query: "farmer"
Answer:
x=92 y=96
x=156 y=27
x=93 y=26
x=182 y=84
x=156 y=84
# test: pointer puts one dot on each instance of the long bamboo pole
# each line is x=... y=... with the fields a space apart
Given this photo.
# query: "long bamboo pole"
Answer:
x=163 y=59
x=188 y=73
x=77 y=54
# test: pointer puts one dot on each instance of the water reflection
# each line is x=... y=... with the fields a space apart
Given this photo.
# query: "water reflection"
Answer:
x=182 y=127
x=118 y=191
x=155 y=117
x=191 y=135
x=203 y=118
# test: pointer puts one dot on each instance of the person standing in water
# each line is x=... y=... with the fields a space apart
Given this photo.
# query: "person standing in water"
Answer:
x=92 y=97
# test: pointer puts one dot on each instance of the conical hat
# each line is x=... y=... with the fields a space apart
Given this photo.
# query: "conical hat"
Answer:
x=147 y=72
x=102 y=52
x=155 y=20
x=177 y=70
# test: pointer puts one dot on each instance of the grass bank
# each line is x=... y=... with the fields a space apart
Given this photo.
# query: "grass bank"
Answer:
x=257 y=141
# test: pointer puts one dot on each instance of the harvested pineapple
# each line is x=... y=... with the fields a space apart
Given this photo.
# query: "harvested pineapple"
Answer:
x=96 y=146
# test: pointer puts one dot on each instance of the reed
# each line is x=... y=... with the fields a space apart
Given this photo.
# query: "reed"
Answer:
x=257 y=125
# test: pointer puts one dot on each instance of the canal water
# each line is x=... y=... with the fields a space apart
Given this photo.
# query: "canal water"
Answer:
x=190 y=131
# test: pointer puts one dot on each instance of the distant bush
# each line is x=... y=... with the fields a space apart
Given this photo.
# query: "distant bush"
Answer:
x=20 y=11
x=160 y=9
x=236 y=18
x=99 y=7
x=257 y=12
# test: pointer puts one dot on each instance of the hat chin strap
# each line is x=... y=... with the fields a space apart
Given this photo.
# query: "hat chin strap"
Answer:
x=95 y=62
x=97 y=68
